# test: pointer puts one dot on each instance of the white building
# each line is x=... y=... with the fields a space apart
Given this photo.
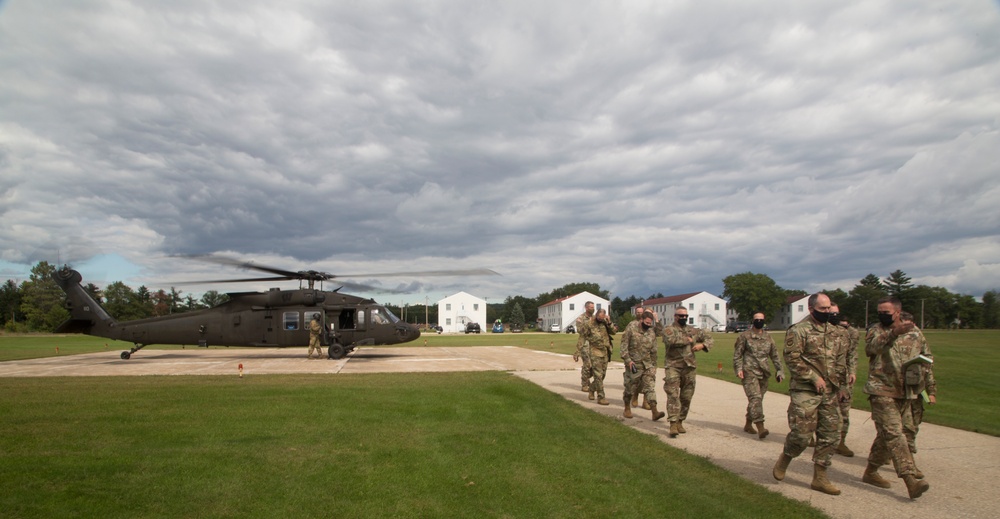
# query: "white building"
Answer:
x=457 y=310
x=794 y=310
x=704 y=309
x=563 y=312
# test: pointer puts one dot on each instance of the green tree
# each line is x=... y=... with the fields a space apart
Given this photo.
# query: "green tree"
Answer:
x=10 y=302
x=991 y=310
x=213 y=298
x=145 y=298
x=620 y=307
x=43 y=302
x=748 y=293
x=898 y=284
x=860 y=307
x=516 y=315
x=122 y=303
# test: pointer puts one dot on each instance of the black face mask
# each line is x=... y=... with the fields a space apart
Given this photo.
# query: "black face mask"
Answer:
x=834 y=318
x=758 y=323
x=645 y=326
x=821 y=317
x=885 y=319
x=682 y=321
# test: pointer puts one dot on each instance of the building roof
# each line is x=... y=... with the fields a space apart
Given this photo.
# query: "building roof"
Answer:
x=561 y=299
x=669 y=299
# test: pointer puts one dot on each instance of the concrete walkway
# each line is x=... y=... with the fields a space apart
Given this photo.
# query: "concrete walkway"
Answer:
x=961 y=467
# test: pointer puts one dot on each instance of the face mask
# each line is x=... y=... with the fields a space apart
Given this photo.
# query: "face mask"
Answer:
x=885 y=319
x=821 y=317
x=758 y=323
x=682 y=321
x=834 y=318
x=645 y=326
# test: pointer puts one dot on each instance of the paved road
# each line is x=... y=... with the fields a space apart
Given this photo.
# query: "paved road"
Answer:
x=960 y=466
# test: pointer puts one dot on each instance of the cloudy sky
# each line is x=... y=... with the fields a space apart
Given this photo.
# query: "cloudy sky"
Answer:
x=647 y=146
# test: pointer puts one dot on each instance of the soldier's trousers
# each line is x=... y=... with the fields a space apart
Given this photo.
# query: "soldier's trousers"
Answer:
x=911 y=423
x=587 y=369
x=315 y=344
x=890 y=440
x=809 y=414
x=679 y=384
x=599 y=368
x=755 y=388
x=643 y=382
x=845 y=411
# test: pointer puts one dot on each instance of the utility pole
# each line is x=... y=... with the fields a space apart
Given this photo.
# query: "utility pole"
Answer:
x=921 y=314
x=425 y=312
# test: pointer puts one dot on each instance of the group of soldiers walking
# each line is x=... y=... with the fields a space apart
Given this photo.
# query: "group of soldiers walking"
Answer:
x=820 y=353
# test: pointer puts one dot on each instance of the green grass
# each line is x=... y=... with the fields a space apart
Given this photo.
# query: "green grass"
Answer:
x=383 y=445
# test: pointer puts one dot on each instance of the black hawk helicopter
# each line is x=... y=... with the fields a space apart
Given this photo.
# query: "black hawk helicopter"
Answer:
x=274 y=319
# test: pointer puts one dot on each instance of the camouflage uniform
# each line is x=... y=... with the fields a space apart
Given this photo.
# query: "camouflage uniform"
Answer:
x=315 y=329
x=680 y=367
x=639 y=346
x=750 y=354
x=850 y=338
x=813 y=351
x=890 y=398
x=915 y=415
x=583 y=351
x=598 y=335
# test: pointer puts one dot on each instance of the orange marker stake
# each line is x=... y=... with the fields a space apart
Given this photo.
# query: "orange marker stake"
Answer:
x=241 y=370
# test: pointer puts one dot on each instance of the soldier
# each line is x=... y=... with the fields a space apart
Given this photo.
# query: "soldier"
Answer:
x=750 y=354
x=680 y=367
x=315 y=328
x=598 y=336
x=812 y=353
x=582 y=351
x=847 y=377
x=926 y=390
x=638 y=350
x=890 y=344
x=658 y=328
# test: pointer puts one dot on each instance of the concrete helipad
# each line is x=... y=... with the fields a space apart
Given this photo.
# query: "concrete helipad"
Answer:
x=961 y=466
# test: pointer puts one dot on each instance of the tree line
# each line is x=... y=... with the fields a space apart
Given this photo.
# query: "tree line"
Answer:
x=38 y=304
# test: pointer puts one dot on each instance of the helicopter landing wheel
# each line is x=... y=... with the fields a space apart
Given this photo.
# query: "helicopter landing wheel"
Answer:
x=336 y=351
x=126 y=355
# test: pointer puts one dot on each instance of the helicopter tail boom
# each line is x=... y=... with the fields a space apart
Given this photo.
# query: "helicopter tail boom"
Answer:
x=86 y=315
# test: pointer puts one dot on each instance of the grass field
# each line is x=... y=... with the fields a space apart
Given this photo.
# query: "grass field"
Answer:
x=482 y=444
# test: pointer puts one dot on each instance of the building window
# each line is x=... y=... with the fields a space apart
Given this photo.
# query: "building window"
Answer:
x=691 y=307
x=800 y=308
x=572 y=307
x=475 y=307
x=447 y=321
x=447 y=307
x=716 y=306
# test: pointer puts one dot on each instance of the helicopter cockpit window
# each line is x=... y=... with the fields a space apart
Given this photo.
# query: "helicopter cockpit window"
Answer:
x=290 y=320
x=378 y=317
x=347 y=319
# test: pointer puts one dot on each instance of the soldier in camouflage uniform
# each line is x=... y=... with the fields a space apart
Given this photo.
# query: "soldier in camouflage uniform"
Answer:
x=889 y=345
x=582 y=350
x=315 y=329
x=680 y=367
x=658 y=328
x=813 y=354
x=638 y=351
x=598 y=336
x=847 y=376
x=927 y=387
x=750 y=355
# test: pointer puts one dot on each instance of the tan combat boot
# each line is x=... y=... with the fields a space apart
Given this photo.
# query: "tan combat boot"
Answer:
x=761 y=431
x=635 y=400
x=645 y=404
x=748 y=427
x=843 y=449
x=628 y=409
x=821 y=483
x=680 y=427
x=603 y=401
x=590 y=395
x=872 y=477
x=656 y=414
x=915 y=487
x=673 y=430
x=781 y=466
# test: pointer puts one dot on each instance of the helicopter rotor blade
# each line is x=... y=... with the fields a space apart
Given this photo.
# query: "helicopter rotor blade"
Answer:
x=245 y=280
x=424 y=273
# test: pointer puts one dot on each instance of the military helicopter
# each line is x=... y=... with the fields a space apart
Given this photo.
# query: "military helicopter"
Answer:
x=274 y=319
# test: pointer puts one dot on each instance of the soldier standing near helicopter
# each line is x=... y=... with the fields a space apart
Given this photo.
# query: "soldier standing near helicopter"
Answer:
x=315 y=329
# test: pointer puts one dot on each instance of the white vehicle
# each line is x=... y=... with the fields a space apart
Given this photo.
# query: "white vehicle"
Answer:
x=554 y=327
x=721 y=328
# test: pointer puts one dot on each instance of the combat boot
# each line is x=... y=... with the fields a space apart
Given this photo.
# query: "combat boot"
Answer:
x=673 y=430
x=843 y=449
x=590 y=395
x=645 y=404
x=915 y=487
x=761 y=431
x=872 y=477
x=917 y=474
x=635 y=400
x=585 y=388
x=748 y=427
x=628 y=409
x=603 y=401
x=781 y=466
x=821 y=483
x=656 y=414
x=680 y=427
